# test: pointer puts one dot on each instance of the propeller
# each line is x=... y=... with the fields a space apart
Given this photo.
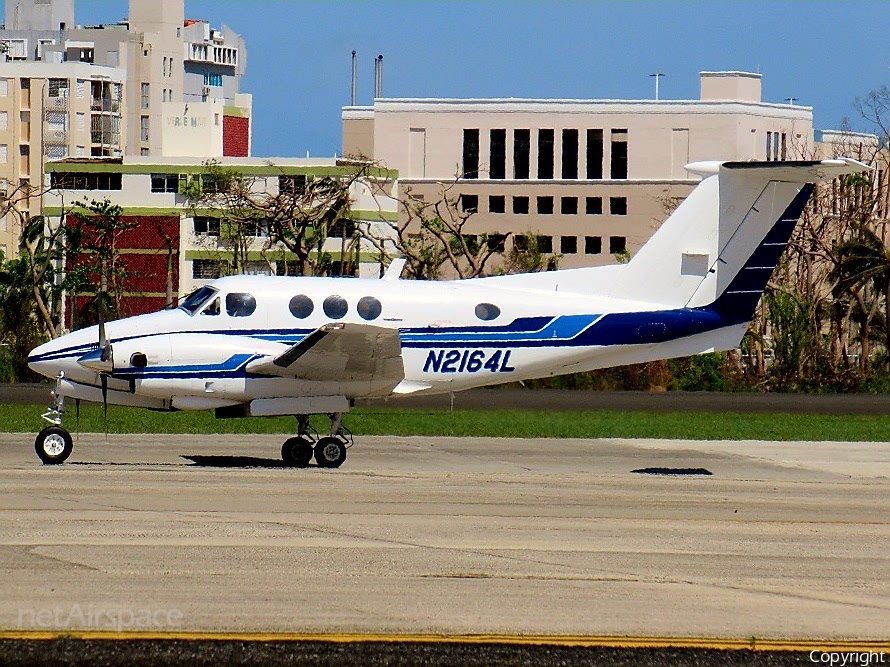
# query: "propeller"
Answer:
x=101 y=360
x=106 y=356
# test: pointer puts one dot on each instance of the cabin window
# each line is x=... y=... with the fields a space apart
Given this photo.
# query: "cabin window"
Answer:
x=301 y=306
x=335 y=307
x=239 y=304
x=487 y=311
x=193 y=302
x=369 y=308
x=212 y=309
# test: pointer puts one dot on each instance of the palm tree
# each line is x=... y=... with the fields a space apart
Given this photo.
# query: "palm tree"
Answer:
x=863 y=262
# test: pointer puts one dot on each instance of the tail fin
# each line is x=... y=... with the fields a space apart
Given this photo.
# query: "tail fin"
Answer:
x=722 y=243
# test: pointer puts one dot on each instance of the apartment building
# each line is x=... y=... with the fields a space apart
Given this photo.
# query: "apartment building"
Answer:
x=176 y=244
x=594 y=178
x=152 y=84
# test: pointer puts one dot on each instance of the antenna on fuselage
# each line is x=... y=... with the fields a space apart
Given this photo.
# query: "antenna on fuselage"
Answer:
x=394 y=270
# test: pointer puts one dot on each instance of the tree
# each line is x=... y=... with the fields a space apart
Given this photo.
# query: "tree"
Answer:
x=863 y=273
x=436 y=235
x=94 y=259
x=296 y=217
x=530 y=254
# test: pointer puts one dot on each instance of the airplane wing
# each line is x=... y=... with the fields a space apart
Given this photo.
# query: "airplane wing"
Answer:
x=340 y=352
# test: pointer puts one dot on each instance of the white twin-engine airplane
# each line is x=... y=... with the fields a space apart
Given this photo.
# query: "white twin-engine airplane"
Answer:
x=257 y=345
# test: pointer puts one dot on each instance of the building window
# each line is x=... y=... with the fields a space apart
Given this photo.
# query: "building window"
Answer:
x=56 y=152
x=471 y=154
x=496 y=242
x=143 y=125
x=545 y=205
x=568 y=206
x=469 y=203
x=145 y=88
x=206 y=226
x=205 y=269
x=619 y=154
x=570 y=154
x=57 y=120
x=498 y=166
x=60 y=180
x=593 y=245
x=618 y=205
x=521 y=152
x=211 y=79
x=594 y=154
x=4 y=87
x=4 y=153
x=496 y=204
x=522 y=243
x=776 y=146
x=617 y=244
x=58 y=87
x=292 y=185
x=165 y=183
x=545 y=153
x=593 y=205
x=520 y=205
x=568 y=245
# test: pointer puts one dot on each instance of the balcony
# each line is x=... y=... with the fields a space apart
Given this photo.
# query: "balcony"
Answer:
x=51 y=103
x=226 y=56
x=105 y=105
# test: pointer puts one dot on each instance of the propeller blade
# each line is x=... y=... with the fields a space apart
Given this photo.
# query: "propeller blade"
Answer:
x=103 y=379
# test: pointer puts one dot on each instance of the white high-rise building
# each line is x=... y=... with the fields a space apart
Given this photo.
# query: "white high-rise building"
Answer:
x=153 y=84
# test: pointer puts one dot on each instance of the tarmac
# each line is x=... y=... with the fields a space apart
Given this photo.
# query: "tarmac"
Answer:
x=449 y=537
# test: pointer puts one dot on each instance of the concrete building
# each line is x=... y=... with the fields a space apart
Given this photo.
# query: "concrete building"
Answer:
x=178 y=242
x=154 y=84
x=593 y=177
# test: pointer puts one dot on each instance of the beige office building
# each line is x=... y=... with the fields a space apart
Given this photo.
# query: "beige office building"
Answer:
x=593 y=177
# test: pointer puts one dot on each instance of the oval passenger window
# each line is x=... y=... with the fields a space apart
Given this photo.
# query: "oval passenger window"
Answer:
x=335 y=307
x=239 y=304
x=301 y=306
x=487 y=311
x=369 y=308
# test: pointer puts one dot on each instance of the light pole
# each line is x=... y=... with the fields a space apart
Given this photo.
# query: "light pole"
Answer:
x=657 y=76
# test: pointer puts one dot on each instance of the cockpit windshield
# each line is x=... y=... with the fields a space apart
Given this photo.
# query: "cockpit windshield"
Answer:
x=193 y=302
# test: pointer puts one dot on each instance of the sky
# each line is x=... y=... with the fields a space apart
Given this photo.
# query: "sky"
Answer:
x=822 y=53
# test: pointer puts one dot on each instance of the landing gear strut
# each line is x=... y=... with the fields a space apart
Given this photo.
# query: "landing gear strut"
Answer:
x=329 y=451
x=54 y=444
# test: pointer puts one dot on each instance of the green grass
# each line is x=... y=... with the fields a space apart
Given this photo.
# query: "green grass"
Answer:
x=486 y=423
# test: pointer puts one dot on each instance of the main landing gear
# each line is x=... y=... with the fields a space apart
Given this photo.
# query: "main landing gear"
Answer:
x=329 y=451
x=54 y=444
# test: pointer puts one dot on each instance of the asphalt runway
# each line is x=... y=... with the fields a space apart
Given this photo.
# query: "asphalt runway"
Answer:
x=449 y=536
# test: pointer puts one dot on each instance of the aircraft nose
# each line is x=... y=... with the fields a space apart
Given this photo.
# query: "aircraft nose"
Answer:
x=41 y=360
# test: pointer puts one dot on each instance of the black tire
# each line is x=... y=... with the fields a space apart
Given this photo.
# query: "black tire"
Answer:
x=297 y=452
x=330 y=452
x=53 y=445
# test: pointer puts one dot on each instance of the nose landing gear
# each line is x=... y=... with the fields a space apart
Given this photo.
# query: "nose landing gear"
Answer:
x=54 y=444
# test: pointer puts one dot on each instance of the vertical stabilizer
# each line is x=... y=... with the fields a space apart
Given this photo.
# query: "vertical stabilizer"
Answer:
x=729 y=233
